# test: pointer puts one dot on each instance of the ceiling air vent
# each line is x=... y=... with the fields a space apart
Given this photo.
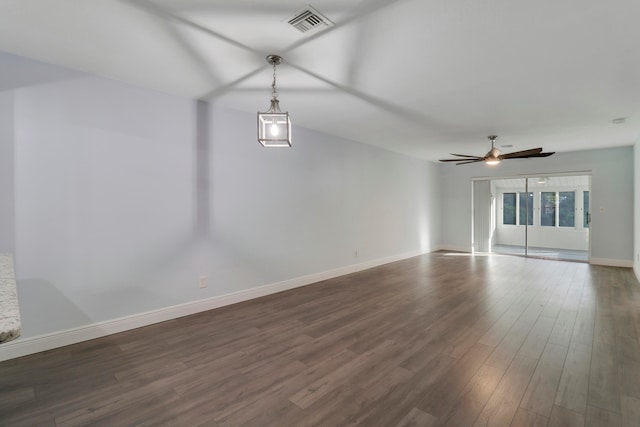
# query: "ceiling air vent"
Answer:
x=308 y=21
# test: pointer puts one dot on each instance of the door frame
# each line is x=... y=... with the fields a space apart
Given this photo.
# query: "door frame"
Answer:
x=587 y=173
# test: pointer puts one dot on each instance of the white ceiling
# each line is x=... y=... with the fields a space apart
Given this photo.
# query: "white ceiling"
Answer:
x=420 y=77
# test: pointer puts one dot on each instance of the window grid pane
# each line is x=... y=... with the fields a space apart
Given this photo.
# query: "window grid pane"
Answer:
x=548 y=209
x=509 y=208
x=567 y=213
x=524 y=209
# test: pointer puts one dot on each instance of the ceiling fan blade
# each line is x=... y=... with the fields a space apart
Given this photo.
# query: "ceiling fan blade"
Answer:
x=495 y=155
x=534 y=155
x=470 y=161
x=523 y=153
x=466 y=155
x=543 y=154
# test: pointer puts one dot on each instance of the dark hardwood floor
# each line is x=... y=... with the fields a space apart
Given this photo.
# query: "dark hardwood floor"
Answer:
x=436 y=340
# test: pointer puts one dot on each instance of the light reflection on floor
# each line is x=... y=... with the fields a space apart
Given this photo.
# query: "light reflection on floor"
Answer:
x=546 y=253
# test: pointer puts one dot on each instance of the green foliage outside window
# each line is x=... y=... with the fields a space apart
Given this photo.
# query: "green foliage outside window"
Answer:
x=567 y=212
x=526 y=209
x=585 y=210
x=509 y=208
x=548 y=209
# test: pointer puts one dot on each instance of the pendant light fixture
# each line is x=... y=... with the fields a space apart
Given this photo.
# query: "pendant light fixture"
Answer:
x=274 y=126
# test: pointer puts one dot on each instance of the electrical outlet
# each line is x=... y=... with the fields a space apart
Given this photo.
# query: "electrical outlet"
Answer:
x=202 y=282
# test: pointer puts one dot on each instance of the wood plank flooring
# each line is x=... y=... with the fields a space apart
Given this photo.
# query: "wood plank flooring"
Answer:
x=437 y=340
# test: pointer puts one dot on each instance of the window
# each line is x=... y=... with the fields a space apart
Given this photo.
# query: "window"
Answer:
x=567 y=209
x=585 y=209
x=563 y=205
x=526 y=209
x=509 y=208
x=517 y=213
x=548 y=209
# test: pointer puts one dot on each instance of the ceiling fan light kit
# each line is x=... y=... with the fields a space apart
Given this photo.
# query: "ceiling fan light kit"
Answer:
x=274 y=126
x=495 y=156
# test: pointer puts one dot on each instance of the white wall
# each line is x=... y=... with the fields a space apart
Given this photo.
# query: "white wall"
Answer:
x=6 y=173
x=544 y=237
x=482 y=216
x=124 y=197
x=636 y=216
x=611 y=197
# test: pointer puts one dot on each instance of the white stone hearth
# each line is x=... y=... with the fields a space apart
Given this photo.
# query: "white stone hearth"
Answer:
x=9 y=310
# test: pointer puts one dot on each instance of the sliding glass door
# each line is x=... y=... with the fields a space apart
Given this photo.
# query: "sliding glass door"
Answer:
x=546 y=217
x=561 y=218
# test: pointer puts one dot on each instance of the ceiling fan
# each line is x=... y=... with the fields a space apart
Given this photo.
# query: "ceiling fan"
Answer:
x=495 y=156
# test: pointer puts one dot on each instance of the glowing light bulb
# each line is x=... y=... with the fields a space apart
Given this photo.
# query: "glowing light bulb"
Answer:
x=274 y=130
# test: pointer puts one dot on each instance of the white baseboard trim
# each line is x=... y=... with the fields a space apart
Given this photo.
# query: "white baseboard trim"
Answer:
x=23 y=347
x=611 y=262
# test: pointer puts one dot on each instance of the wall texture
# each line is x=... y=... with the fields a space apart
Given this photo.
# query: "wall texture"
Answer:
x=125 y=197
x=612 y=197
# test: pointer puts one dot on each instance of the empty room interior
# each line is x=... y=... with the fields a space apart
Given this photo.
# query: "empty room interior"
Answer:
x=270 y=213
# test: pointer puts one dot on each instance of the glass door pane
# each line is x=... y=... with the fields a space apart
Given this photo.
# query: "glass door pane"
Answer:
x=560 y=218
x=543 y=217
x=512 y=213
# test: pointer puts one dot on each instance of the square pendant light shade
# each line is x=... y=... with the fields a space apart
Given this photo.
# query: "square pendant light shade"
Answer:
x=274 y=126
x=274 y=129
